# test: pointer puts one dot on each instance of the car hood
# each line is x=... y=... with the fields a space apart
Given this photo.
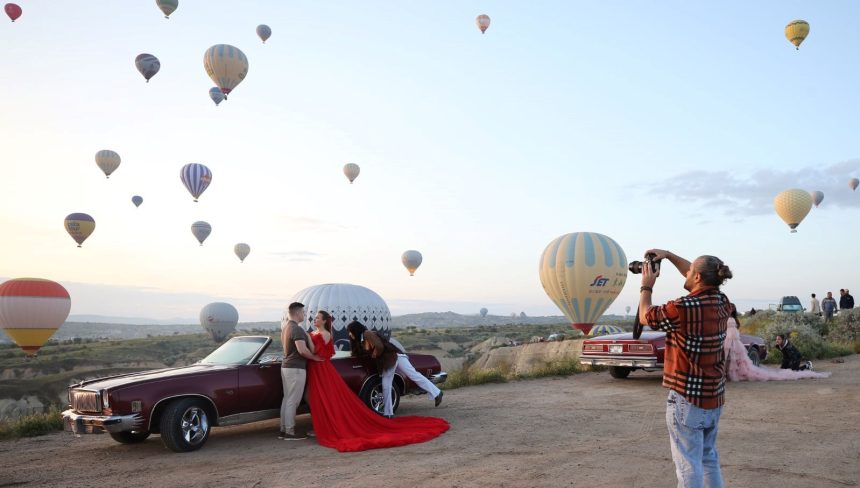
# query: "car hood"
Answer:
x=123 y=380
x=628 y=336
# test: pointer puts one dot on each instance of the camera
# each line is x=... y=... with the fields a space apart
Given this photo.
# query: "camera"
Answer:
x=635 y=267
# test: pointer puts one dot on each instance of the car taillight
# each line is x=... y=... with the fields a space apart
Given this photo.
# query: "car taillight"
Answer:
x=593 y=347
x=640 y=348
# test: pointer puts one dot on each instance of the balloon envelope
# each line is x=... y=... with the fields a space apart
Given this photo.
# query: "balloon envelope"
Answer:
x=345 y=303
x=31 y=310
x=12 y=10
x=79 y=226
x=201 y=230
x=792 y=205
x=411 y=259
x=484 y=312
x=216 y=95
x=853 y=182
x=137 y=200
x=483 y=22
x=108 y=161
x=351 y=170
x=796 y=31
x=242 y=250
x=817 y=197
x=264 y=32
x=147 y=64
x=583 y=273
x=167 y=6
x=219 y=319
x=226 y=65
x=196 y=178
x=603 y=329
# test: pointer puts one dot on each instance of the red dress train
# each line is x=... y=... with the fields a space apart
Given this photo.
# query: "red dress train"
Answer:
x=342 y=421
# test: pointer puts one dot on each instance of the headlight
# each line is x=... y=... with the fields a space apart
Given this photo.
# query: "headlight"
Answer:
x=105 y=399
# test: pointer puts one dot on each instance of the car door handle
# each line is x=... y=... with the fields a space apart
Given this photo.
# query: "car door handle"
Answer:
x=358 y=366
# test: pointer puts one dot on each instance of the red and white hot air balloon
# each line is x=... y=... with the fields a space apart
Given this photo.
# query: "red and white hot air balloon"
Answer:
x=31 y=310
x=483 y=22
x=13 y=11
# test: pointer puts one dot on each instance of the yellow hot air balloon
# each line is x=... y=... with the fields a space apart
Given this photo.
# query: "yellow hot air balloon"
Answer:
x=796 y=31
x=583 y=273
x=79 y=226
x=792 y=205
x=31 y=310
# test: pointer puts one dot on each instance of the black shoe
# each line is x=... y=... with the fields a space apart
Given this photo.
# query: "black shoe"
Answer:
x=294 y=437
x=282 y=435
x=439 y=398
x=389 y=417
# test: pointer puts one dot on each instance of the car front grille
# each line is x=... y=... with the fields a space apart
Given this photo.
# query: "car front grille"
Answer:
x=86 y=401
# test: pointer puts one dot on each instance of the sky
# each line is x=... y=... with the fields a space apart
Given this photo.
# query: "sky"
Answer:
x=659 y=124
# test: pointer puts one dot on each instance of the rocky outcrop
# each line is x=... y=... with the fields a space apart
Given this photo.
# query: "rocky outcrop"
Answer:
x=522 y=359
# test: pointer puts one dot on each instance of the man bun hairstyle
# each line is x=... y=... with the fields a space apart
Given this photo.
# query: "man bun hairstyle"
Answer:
x=713 y=270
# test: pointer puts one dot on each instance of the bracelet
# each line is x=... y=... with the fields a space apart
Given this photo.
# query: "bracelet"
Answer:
x=645 y=288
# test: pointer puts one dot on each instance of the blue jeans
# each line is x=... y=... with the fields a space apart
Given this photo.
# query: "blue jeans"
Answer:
x=693 y=437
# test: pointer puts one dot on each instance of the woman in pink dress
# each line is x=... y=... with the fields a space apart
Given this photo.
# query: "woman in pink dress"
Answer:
x=741 y=368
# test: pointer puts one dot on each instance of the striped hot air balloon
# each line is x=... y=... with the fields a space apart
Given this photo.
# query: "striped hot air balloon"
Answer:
x=226 y=65
x=603 y=329
x=216 y=95
x=196 y=178
x=108 y=161
x=79 y=226
x=201 y=230
x=583 y=273
x=31 y=310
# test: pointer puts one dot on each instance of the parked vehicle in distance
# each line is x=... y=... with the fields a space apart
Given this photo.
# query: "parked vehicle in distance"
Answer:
x=237 y=383
x=789 y=304
x=623 y=354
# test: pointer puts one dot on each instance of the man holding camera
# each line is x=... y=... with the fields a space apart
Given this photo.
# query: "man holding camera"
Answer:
x=693 y=366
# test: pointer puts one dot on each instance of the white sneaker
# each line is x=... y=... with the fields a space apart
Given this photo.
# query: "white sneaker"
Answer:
x=809 y=366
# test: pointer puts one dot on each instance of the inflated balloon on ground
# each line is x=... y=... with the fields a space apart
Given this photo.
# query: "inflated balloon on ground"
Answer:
x=792 y=206
x=219 y=319
x=31 y=310
x=196 y=178
x=79 y=226
x=108 y=161
x=583 y=273
x=603 y=329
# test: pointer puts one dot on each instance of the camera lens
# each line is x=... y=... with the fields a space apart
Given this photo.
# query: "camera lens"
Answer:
x=635 y=267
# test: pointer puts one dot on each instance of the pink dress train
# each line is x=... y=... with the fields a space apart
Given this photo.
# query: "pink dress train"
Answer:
x=741 y=367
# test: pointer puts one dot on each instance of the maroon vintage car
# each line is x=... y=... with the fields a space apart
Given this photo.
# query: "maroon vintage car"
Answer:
x=622 y=353
x=235 y=384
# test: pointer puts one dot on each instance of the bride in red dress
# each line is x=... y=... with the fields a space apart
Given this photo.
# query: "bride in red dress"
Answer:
x=341 y=420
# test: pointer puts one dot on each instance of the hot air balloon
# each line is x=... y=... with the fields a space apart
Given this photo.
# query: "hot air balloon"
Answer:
x=411 y=259
x=627 y=309
x=167 y=6
x=13 y=11
x=817 y=197
x=108 y=161
x=853 y=182
x=31 y=310
x=196 y=178
x=242 y=250
x=483 y=22
x=345 y=303
x=147 y=64
x=484 y=312
x=79 y=226
x=226 y=65
x=796 y=31
x=219 y=319
x=792 y=206
x=264 y=32
x=216 y=95
x=137 y=200
x=602 y=329
x=351 y=171
x=201 y=230
x=583 y=273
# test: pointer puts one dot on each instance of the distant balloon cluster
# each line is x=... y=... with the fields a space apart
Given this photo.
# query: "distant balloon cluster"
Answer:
x=794 y=204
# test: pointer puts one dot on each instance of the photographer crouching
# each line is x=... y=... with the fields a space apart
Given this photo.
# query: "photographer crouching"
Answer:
x=693 y=366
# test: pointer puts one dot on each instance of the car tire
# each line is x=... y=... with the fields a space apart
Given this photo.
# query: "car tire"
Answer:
x=371 y=395
x=753 y=355
x=129 y=437
x=619 y=372
x=185 y=425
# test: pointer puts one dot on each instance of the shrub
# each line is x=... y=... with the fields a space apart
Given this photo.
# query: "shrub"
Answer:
x=468 y=376
x=845 y=327
x=31 y=425
x=804 y=332
x=563 y=367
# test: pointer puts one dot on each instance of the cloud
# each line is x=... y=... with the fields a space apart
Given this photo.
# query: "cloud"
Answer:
x=739 y=195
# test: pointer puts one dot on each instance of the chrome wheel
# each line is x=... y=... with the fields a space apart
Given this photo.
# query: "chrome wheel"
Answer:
x=195 y=425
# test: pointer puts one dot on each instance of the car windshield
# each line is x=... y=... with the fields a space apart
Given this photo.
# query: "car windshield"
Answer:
x=238 y=350
x=791 y=308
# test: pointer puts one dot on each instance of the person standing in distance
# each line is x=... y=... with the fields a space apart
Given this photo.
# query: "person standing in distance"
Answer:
x=298 y=348
x=814 y=306
x=694 y=368
x=828 y=306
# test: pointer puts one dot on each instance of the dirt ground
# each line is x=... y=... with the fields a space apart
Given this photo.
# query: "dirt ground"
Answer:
x=585 y=430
